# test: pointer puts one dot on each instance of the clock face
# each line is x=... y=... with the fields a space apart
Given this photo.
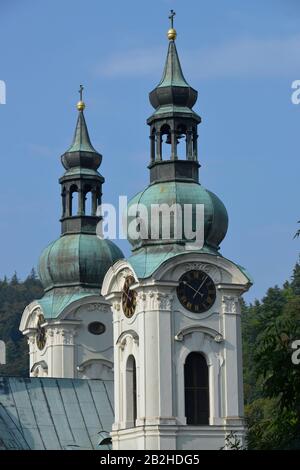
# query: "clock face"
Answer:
x=196 y=291
x=40 y=336
x=128 y=297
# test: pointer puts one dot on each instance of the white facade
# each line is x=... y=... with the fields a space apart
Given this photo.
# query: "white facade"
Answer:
x=71 y=350
x=160 y=335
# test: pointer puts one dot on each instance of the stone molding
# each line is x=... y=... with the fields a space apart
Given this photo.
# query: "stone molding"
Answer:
x=230 y=304
x=213 y=271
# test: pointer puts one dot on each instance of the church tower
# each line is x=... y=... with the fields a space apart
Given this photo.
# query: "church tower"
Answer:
x=69 y=330
x=176 y=309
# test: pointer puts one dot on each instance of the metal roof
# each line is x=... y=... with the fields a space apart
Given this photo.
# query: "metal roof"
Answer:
x=81 y=141
x=185 y=195
x=172 y=74
x=47 y=413
x=77 y=259
x=57 y=300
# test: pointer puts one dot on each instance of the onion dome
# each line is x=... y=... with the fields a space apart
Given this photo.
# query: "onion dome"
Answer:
x=181 y=193
x=77 y=260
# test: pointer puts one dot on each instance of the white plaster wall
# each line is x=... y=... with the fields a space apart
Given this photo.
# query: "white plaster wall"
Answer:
x=71 y=350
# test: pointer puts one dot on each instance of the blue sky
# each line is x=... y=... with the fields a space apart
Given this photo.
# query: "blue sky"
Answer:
x=242 y=57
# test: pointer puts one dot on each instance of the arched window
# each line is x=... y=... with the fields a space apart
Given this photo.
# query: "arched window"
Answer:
x=196 y=389
x=74 y=203
x=88 y=204
x=131 y=395
x=181 y=145
x=166 y=142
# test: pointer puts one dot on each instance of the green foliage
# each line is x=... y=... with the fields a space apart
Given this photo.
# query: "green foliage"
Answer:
x=272 y=381
x=270 y=428
x=232 y=442
x=14 y=296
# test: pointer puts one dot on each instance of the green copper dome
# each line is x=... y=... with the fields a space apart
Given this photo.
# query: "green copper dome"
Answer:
x=77 y=260
x=171 y=192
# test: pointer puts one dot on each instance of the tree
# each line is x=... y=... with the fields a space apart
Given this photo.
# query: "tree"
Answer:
x=273 y=410
x=14 y=296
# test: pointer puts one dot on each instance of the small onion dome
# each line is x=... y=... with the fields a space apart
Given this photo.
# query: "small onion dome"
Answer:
x=77 y=260
x=175 y=192
x=81 y=153
x=173 y=88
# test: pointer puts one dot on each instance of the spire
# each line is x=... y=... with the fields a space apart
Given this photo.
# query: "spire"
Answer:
x=81 y=140
x=173 y=89
x=172 y=74
x=81 y=153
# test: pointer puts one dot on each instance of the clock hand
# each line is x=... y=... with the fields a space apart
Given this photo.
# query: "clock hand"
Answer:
x=128 y=297
x=202 y=283
x=187 y=284
x=191 y=287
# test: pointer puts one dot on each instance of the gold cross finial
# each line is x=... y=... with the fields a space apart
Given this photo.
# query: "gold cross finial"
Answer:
x=172 y=32
x=80 y=104
x=171 y=18
x=81 y=88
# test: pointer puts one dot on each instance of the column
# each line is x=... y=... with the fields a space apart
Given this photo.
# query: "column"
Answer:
x=195 y=146
x=158 y=146
x=63 y=196
x=81 y=202
x=189 y=145
x=152 y=148
x=231 y=324
x=69 y=203
x=173 y=146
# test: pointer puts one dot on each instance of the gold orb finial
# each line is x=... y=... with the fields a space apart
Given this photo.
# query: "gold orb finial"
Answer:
x=172 y=34
x=81 y=103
